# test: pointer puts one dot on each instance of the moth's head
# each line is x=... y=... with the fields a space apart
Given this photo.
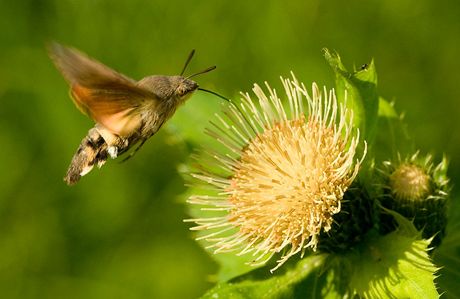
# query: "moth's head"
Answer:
x=184 y=87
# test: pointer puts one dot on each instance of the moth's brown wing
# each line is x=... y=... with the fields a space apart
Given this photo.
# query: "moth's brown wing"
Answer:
x=117 y=109
x=77 y=67
x=105 y=95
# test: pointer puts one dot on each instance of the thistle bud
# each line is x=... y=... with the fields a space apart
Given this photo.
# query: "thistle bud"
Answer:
x=417 y=190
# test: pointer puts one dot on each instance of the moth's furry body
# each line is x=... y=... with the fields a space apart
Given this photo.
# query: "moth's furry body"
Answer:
x=174 y=90
x=126 y=112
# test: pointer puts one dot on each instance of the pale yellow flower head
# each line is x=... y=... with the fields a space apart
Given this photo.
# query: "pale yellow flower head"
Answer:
x=285 y=173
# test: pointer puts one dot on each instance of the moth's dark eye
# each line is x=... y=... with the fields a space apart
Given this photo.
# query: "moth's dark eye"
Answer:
x=181 y=90
x=186 y=87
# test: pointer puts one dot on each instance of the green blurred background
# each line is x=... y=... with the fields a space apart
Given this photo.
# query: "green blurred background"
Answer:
x=119 y=232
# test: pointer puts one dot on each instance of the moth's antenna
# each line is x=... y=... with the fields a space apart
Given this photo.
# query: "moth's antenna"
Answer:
x=190 y=56
x=231 y=103
x=211 y=68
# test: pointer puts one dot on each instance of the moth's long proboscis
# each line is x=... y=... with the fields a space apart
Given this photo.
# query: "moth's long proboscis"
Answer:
x=231 y=103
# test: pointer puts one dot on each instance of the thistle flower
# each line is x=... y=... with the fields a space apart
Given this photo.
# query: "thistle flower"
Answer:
x=283 y=175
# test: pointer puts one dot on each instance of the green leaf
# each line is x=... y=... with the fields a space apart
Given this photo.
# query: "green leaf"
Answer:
x=392 y=138
x=396 y=265
x=386 y=109
x=230 y=264
x=448 y=253
x=191 y=120
x=293 y=280
x=361 y=90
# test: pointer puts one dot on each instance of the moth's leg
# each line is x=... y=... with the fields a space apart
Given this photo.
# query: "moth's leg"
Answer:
x=115 y=143
x=135 y=150
x=112 y=151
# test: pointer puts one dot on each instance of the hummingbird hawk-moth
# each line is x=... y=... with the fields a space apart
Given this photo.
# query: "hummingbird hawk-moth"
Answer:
x=126 y=112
